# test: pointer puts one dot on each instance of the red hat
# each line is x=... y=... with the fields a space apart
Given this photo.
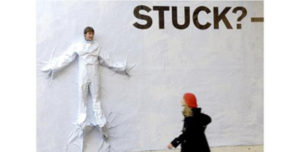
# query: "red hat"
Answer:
x=190 y=100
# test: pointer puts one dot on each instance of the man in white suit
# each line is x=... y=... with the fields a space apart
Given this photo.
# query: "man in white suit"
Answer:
x=88 y=53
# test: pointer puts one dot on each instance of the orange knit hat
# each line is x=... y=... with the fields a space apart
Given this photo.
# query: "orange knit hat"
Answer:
x=190 y=100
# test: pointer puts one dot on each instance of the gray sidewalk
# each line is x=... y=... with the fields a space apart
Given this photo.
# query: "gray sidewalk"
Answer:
x=256 y=148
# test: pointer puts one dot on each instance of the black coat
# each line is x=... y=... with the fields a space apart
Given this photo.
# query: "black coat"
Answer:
x=193 y=138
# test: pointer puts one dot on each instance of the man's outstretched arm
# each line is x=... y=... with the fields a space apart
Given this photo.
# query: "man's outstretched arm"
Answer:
x=61 y=62
x=118 y=67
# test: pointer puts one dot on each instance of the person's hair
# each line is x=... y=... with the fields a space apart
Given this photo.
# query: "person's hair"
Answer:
x=88 y=29
x=187 y=111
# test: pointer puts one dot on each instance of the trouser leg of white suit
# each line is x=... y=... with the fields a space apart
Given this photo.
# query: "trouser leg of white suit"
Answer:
x=83 y=101
x=76 y=136
x=97 y=109
x=99 y=117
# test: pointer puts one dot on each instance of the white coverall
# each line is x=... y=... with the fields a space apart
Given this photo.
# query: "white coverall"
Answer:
x=88 y=53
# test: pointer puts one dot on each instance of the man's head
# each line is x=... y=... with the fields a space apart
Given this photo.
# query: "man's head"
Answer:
x=89 y=33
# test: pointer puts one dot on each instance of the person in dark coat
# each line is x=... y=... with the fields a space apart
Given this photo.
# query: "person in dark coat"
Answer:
x=193 y=138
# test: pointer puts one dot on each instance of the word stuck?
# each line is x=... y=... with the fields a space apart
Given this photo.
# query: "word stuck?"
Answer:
x=141 y=12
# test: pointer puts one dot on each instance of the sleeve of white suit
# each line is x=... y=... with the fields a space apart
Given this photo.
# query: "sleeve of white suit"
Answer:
x=63 y=60
x=118 y=67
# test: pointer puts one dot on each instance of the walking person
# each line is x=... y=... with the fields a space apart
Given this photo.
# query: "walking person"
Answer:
x=193 y=137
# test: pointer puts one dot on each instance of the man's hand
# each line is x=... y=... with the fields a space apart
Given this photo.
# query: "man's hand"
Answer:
x=170 y=146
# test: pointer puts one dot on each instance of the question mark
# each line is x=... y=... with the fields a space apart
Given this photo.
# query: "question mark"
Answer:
x=244 y=13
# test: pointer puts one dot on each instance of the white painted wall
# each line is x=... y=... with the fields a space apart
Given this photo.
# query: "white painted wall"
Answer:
x=224 y=68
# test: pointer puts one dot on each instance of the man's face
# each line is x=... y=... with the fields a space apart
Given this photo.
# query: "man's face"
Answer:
x=89 y=36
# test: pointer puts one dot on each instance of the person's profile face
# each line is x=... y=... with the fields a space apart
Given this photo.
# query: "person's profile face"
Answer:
x=89 y=36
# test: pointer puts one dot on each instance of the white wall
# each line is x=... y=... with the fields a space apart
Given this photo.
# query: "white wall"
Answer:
x=224 y=68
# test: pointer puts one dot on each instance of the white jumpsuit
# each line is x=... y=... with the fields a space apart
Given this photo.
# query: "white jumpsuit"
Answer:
x=89 y=56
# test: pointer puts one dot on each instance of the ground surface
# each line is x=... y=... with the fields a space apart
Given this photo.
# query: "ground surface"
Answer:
x=256 y=148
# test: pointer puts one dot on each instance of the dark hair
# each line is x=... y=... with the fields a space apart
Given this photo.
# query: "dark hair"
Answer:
x=88 y=29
